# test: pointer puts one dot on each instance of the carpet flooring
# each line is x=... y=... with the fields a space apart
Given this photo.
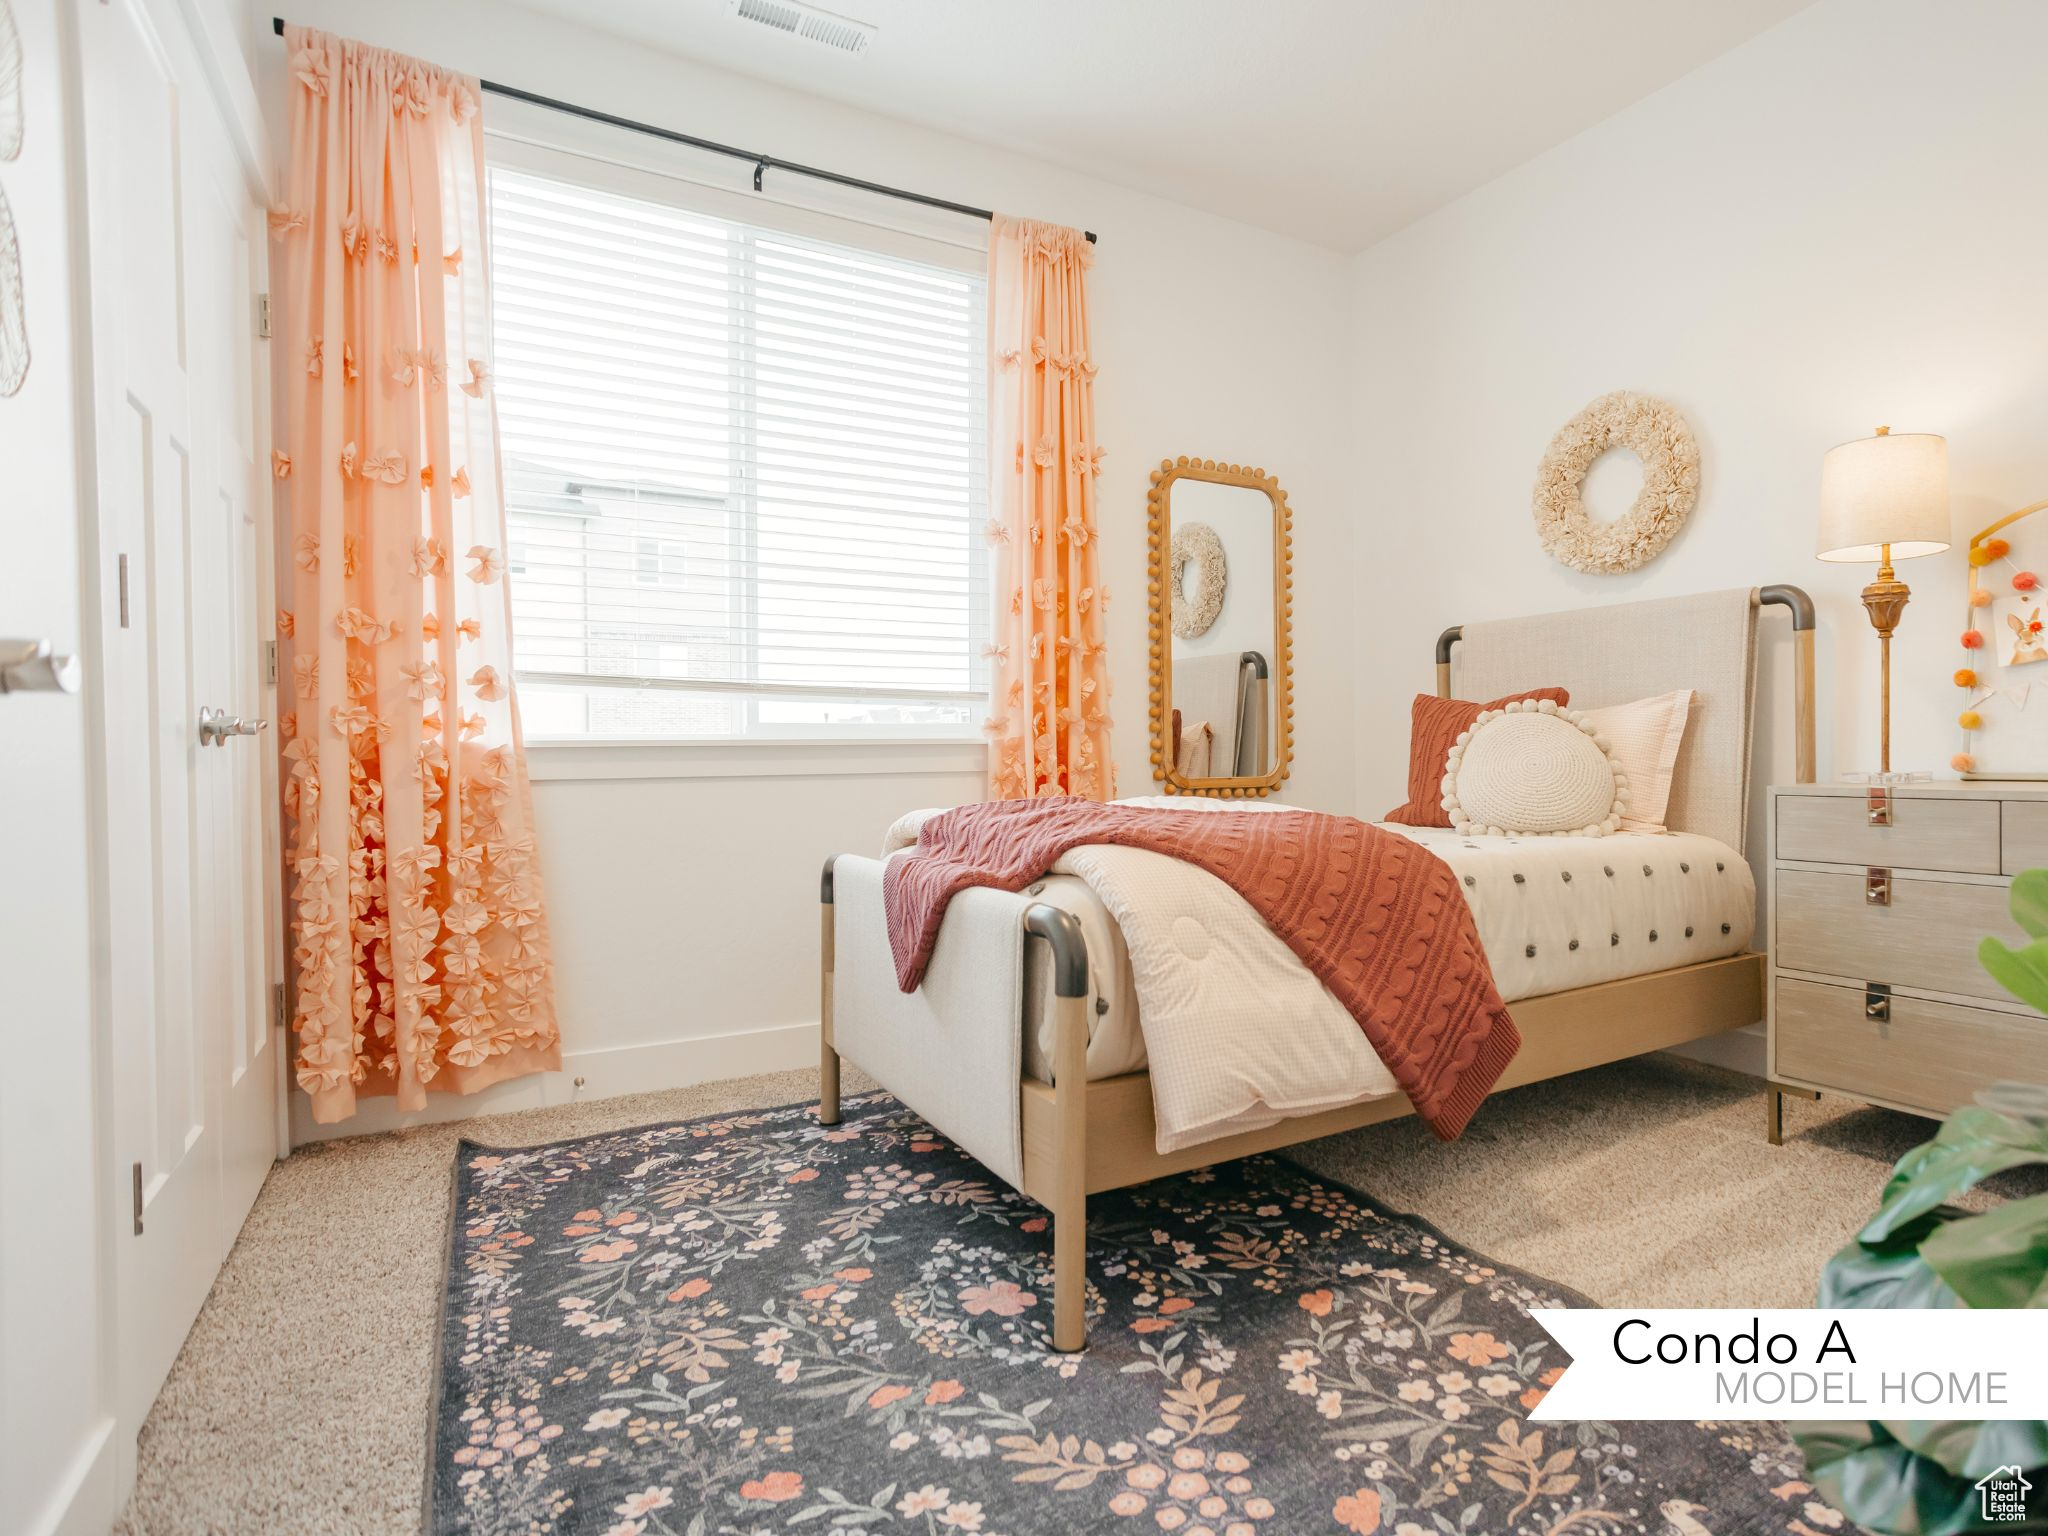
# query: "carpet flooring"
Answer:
x=300 y=1402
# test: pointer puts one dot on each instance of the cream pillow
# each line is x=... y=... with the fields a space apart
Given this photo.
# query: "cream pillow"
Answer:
x=1645 y=737
x=1532 y=769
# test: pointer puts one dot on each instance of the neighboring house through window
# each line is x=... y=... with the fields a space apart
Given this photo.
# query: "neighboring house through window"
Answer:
x=745 y=468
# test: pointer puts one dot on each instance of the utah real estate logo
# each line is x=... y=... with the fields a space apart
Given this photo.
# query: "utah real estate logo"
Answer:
x=2004 y=1494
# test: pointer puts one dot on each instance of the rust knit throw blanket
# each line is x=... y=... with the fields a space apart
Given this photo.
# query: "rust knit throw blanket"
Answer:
x=1379 y=919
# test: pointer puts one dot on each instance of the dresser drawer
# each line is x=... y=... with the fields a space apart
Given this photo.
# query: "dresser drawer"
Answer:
x=2024 y=841
x=1925 y=833
x=1931 y=1056
x=1926 y=937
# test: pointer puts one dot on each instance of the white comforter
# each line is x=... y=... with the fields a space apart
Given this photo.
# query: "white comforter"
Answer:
x=1238 y=1033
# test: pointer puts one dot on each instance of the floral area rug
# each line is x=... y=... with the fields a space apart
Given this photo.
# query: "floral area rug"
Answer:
x=755 y=1324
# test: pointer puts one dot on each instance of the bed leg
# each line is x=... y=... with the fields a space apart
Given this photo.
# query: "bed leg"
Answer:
x=1070 y=1188
x=828 y=1058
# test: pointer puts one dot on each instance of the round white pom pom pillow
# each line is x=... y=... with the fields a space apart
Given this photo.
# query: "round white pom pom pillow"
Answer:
x=1533 y=769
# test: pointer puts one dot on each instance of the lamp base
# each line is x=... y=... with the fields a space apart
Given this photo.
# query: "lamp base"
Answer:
x=1887 y=778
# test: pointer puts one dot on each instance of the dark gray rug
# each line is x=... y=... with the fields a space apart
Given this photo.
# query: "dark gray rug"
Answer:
x=752 y=1324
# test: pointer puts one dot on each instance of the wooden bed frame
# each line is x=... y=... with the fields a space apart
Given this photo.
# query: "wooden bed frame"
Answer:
x=1083 y=1138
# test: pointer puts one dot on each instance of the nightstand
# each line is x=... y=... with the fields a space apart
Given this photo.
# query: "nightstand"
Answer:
x=1878 y=901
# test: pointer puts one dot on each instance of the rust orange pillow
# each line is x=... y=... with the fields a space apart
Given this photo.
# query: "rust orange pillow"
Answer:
x=1432 y=732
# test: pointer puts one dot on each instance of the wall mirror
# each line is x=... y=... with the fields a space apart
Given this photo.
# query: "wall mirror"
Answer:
x=1221 y=596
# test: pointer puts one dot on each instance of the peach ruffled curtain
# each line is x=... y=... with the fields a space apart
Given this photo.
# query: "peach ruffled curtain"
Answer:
x=1048 y=724
x=419 y=940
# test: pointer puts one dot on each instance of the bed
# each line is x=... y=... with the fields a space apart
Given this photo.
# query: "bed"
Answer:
x=1026 y=1053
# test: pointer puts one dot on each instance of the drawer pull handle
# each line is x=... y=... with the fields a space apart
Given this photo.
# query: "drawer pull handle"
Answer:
x=1878 y=807
x=1877 y=887
x=1877 y=1002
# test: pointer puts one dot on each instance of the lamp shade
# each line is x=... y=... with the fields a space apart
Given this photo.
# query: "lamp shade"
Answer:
x=1891 y=489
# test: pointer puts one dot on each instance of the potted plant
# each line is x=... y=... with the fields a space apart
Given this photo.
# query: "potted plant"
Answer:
x=1919 y=1478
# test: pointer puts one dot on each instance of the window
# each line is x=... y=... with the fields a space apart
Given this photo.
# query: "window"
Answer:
x=745 y=473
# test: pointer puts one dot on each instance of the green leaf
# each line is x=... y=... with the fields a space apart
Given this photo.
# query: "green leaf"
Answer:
x=1880 y=1278
x=1970 y=1449
x=2029 y=904
x=1882 y=1485
x=1997 y=1258
x=2022 y=972
x=1972 y=1144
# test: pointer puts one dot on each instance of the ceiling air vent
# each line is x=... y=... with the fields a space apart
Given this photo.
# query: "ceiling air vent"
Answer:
x=806 y=22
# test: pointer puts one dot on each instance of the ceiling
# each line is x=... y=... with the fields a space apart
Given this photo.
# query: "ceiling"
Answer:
x=1336 y=121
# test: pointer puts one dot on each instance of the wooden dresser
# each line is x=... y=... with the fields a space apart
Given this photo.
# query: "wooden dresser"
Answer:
x=1878 y=901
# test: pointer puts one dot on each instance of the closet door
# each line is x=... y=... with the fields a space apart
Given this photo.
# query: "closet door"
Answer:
x=59 y=1452
x=177 y=245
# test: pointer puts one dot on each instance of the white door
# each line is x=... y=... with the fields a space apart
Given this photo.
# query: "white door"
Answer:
x=177 y=252
x=59 y=1452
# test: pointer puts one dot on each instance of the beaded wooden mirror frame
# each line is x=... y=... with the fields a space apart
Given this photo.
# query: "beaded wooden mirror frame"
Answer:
x=1159 y=601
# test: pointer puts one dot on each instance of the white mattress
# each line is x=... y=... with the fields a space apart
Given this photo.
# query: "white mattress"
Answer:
x=1554 y=913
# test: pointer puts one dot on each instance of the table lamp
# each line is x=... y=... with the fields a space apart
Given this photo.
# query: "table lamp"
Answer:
x=1885 y=498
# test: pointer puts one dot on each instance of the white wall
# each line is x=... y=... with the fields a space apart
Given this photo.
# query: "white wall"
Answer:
x=61 y=1462
x=1823 y=230
x=1837 y=225
x=683 y=907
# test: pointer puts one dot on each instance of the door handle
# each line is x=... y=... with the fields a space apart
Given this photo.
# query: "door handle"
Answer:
x=30 y=666
x=217 y=725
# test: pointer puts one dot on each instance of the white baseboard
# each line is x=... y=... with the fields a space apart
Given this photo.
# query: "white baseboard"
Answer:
x=91 y=1494
x=609 y=1072
x=1739 y=1050
x=606 y=1073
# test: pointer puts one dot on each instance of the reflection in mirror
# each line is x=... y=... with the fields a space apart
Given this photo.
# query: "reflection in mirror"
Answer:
x=1219 y=623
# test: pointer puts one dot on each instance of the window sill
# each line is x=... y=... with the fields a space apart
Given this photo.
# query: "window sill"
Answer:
x=565 y=760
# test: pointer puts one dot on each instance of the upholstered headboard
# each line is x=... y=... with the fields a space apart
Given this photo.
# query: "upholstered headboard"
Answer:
x=1629 y=651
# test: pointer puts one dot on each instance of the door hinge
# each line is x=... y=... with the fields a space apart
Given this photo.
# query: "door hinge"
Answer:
x=270 y=661
x=136 y=1182
x=278 y=1013
x=263 y=315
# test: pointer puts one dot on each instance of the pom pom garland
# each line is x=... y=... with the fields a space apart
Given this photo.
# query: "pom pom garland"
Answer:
x=1983 y=553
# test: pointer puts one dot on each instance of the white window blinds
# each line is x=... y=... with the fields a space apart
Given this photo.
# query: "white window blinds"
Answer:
x=745 y=472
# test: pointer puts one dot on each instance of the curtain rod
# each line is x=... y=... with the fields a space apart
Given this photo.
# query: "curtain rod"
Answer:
x=761 y=163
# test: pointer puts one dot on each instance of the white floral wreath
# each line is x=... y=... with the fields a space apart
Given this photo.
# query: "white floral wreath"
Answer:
x=1192 y=615
x=1652 y=430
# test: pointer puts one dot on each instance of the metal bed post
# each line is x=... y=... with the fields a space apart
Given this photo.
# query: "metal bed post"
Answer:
x=1069 y=1202
x=1804 y=759
x=828 y=1058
